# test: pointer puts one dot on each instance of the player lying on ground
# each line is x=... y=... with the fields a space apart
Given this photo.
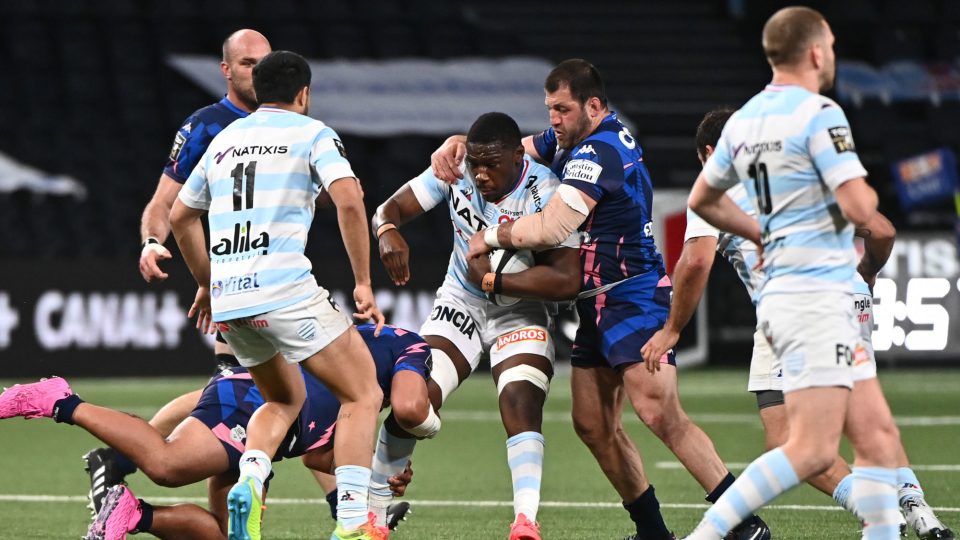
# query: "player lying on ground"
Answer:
x=209 y=443
x=702 y=242
x=501 y=184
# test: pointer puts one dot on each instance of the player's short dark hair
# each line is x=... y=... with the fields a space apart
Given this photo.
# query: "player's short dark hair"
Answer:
x=788 y=33
x=580 y=77
x=710 y=128
x=495 y=127
x=279 y=76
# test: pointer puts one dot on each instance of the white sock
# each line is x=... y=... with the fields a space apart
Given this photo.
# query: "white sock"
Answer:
x=255 y=464
x=875 y=498
x=390 y=459
x=764 y=480
x=525 y=457
x=908 y=486
x=353 y=482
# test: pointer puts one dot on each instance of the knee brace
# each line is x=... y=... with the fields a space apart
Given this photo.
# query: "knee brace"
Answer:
x=444 y=373
x=429 y=427
x=524 y=372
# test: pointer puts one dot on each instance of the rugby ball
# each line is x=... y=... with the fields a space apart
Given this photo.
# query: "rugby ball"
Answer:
x=505 y=261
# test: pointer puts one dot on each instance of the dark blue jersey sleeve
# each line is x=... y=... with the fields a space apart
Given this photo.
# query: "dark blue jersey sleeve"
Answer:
x=546 y=144
x=189 y=144
x=594 y=168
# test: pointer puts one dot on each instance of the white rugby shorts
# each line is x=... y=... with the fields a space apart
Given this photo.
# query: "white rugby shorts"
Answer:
x=813 y=335
x=765 y=370
x=297 y=331
x=475 y=325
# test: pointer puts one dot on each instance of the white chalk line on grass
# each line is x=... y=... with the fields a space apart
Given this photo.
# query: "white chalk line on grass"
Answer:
x=706 y=418
x=434 y=503
x=926 y=468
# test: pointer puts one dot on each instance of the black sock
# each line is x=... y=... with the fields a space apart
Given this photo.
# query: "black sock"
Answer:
x=645 y=512
x=146 y=517
x=721 y=487
x=332 y=501
x=124 y=465
x=63 y=409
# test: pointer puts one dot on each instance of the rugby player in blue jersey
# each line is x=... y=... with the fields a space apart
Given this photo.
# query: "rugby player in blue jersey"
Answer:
x=241 y=51
x=500 y=184
x=208 y=444
x=701 y=244
x=607 y=194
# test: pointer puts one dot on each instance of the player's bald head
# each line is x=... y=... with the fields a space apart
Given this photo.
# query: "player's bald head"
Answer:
x=790 y=32
x=245 y=41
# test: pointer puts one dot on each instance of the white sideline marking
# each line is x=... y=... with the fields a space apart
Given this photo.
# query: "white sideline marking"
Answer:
x=425 y=502
x=706 y=418
x=939 y=467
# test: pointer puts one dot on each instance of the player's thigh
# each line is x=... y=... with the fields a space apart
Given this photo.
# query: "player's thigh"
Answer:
x=816 y=418
x=193 y=453
x=776 y=426
x=457 y=319
x=520 y=342
x=597 y=398
x=346 y=367
x=813 y=336
x=652 y=394
x=279 y=381
x=870 y=425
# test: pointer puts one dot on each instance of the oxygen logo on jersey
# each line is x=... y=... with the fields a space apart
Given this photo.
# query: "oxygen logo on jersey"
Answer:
x=241 y=244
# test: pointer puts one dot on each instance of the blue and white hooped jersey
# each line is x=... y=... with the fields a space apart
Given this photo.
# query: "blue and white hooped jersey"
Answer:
x=792 y=148
x=259 y=180
x=470 y=212
x=738 y=251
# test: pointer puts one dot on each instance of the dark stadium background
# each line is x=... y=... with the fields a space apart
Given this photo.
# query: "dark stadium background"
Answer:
x=86 y=92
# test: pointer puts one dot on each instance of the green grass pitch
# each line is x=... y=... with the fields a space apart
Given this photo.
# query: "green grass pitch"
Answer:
x=461 y=486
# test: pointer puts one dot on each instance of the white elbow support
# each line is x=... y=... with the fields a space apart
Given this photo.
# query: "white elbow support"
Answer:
x=444 y=373
x=429 y=427
x=572 y=197
x=524 y=372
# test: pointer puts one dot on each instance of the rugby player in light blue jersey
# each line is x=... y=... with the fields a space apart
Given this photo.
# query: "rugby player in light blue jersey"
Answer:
x=258 y=181
x=606 y=194
x=500 y=184
x=792 y=150
x=701 y=243
x=241 y=51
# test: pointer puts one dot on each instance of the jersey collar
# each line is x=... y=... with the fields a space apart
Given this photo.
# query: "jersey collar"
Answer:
x=229 y=104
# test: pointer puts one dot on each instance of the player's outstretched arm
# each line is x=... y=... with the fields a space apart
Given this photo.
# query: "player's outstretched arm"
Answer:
x=689 y=281
x=713 y=205
x=352 y=217
x=878 y=238
x=155 y=228
x=554 y=277
x=400 y=208
x=564 y=213
x=188 y=231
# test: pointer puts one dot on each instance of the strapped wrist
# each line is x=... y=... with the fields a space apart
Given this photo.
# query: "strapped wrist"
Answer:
x=488 y=282
x=387 y=226
x=490 y=237
x=150 y=240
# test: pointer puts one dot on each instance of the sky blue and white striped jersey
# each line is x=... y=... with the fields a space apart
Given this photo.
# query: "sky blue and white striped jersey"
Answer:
x=739 y=252
x=470 y=212
x=259 y=180
x=792 y=148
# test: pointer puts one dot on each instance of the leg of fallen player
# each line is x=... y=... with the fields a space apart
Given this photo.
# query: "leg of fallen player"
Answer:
x=191 y=454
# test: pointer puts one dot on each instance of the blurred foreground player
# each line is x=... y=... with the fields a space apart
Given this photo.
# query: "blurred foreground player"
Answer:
x=792 y=150
x=258 y=182
x=701 y=243
x=209 y=443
